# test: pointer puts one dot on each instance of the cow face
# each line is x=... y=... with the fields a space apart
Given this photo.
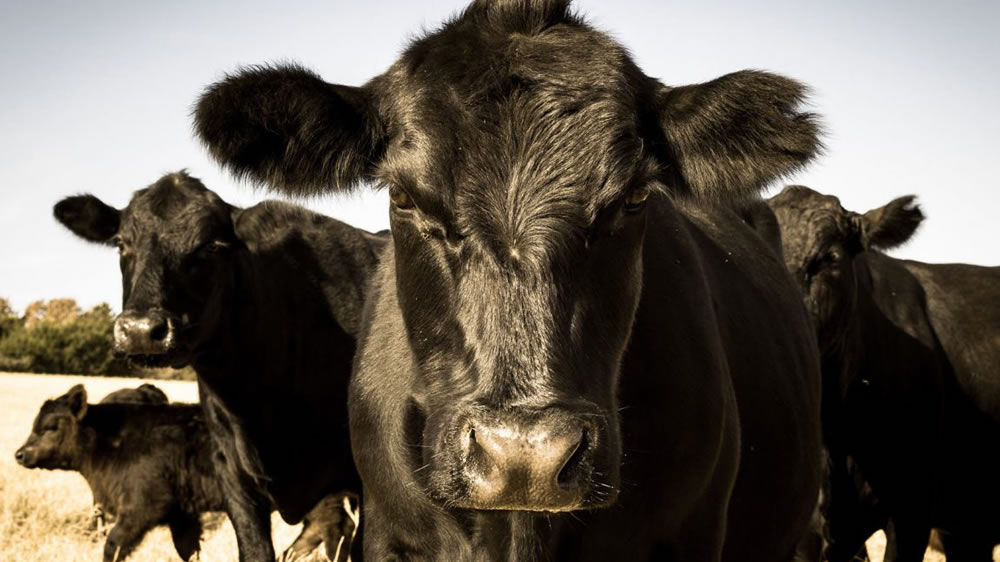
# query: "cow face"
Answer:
x=176 y=241
x=57 y=439
x=520 y=175
x=820 y=241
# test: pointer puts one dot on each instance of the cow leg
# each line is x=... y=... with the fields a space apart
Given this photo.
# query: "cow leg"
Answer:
x=307 y=541
x=132 y=525
x=185 y=529
x=250 y=514
x=851 y=518
x=966 y=547
x=339 y=535
x=248 y=510
x=905 y=540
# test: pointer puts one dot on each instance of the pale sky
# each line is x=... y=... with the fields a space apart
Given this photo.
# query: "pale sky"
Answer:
x=95 y=97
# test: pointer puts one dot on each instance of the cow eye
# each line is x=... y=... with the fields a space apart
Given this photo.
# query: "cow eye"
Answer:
x=400 y=199
x=636 y=199
x=217 y=245
x=121 y=245
x=822 y=262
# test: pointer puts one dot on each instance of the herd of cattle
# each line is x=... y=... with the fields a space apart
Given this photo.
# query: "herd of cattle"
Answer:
x=586 y=337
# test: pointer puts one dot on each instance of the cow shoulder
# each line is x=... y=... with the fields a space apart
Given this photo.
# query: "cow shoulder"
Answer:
x=898 y=296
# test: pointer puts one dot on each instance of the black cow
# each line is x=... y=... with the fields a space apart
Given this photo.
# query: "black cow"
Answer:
x=265 y=304
x=150 y=463
x=143 y=394
x=912 y=394
x=574 y=349
x=146 y=464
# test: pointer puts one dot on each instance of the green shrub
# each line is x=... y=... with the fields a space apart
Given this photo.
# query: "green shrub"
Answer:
x=79 y=345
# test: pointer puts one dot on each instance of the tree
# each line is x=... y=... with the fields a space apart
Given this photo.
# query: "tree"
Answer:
x=58 y=339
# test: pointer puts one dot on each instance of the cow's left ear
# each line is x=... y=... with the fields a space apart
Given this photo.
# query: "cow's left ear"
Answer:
x=730 y=137
x=76 y=398
x=284 y=127
x=890 y=225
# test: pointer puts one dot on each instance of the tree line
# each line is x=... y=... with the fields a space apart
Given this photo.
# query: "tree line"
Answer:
x=57 y=336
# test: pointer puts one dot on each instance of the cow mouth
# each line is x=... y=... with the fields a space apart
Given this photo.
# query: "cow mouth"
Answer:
x=172 y=358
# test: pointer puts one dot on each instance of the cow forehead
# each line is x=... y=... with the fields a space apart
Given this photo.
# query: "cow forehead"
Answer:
x=174 y=213
x=810 y=221
x=50 y=409
x=544 y=124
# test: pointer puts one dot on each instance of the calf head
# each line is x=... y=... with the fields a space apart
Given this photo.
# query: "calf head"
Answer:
x=820 y=241
x=58 y=439
x=520 y=149
x=176 y=241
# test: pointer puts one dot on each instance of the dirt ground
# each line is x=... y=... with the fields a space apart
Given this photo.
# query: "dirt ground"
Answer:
x=44 y=514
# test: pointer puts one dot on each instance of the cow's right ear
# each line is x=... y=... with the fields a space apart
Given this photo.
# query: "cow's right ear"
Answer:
x=284 y=127
x=890 y=225
x=76 y=399
x=89 y=218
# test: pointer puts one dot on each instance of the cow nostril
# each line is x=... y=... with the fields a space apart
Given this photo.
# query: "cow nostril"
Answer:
x=569 y=473
x=19 y=455
x=159 y=331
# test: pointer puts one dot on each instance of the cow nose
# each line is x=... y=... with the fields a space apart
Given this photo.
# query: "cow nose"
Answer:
x=145 y=334
x=532 y=465
x=19 y=456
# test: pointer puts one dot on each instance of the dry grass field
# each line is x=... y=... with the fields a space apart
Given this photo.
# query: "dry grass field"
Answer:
x=44 y=514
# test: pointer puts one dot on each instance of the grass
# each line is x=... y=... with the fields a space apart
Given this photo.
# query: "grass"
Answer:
x=44 y=514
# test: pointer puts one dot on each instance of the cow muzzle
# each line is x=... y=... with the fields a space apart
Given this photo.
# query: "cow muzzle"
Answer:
x=515 y=460
x=151 y=333
x=25 y=457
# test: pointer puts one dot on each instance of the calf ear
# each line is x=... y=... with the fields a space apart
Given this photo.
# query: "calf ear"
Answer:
x=76 y=398
x=890 y=225
x=730 y=137
x=284 y=127
x=88 y=217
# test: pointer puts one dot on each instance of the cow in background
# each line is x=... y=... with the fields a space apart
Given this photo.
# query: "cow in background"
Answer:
x=265 y=304
x=910 y=353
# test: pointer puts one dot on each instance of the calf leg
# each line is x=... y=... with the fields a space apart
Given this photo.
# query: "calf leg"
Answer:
x=131 y=527
x=185 y=529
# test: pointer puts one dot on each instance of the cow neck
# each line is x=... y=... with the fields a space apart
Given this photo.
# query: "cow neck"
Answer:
x=258 y=343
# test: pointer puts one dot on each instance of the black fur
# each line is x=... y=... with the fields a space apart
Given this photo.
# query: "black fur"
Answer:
x=889 y=226
x=146 y=464
x=736 y=134
x=564 y=262
x=142 y=394
x=89 y=218
x=905 y=348
x=284 y=126
x=265 y=304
